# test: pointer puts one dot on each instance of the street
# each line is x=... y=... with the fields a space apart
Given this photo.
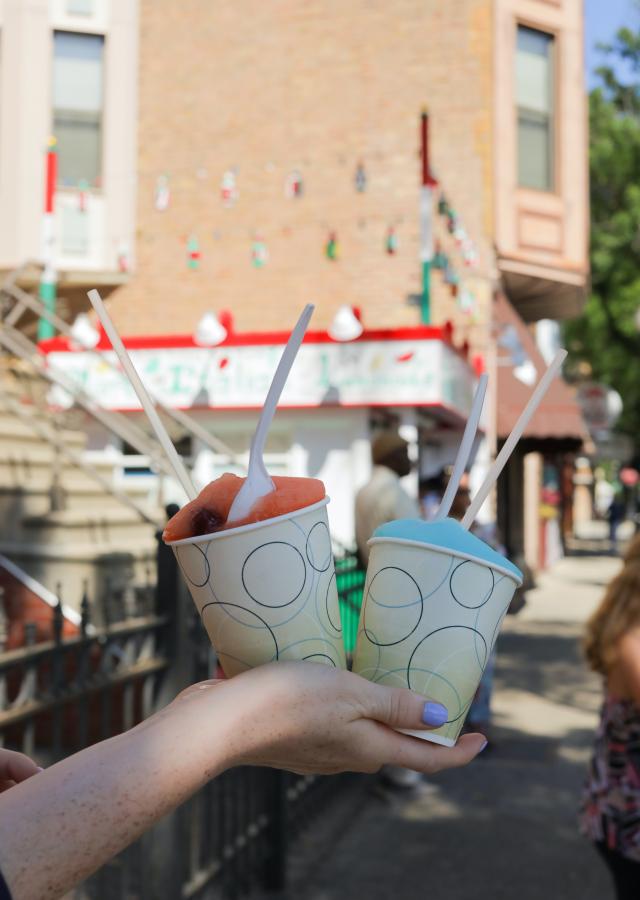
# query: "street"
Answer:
x=504 y=827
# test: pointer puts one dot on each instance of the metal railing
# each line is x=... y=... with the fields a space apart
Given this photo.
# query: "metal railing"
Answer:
x=68 y=691
x=14 y=302
x=350 y=578
x=64 y=693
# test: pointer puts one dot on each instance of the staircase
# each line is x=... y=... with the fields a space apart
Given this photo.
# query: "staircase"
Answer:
x=65 y=518
x=57 y=521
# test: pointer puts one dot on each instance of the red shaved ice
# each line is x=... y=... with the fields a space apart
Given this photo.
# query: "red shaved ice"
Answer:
x=208 y=512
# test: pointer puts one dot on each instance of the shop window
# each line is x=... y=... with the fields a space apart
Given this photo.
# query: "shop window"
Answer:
x=535 y=91
x=77 y=107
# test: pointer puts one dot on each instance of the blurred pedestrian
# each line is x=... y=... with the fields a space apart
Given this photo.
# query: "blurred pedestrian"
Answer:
x=383 y=497
x=382 y=500
x=431 y=491
x=602 y=493
x=610 y=814
x=462 y=500
x=615 y=515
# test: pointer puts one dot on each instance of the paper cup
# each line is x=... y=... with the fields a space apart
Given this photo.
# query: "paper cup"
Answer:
x=267 y=591
x=429 y=621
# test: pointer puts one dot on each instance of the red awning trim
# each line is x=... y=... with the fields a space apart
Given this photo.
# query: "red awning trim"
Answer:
x=258 y=338
x=450 y=416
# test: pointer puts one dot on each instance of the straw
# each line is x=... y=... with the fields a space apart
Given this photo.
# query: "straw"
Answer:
x=464 y=451
x=509 y=445
x=147 y=403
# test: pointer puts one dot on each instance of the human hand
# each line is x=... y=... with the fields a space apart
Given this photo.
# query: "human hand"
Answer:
x=311 y=718
x=303 y=717
x=14 y=768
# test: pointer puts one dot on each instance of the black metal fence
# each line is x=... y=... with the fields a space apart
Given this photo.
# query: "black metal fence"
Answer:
x=58 y=696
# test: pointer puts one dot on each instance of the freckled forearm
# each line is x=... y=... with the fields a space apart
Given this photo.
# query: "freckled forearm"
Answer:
x=61 y=825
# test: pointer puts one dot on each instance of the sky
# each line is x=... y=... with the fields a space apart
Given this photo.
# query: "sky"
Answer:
x=603 y=18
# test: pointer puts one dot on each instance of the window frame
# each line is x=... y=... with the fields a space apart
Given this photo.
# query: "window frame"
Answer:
x=96 y=189
x=554 y=117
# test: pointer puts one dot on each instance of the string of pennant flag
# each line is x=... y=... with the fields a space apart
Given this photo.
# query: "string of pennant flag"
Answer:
x=455 y=251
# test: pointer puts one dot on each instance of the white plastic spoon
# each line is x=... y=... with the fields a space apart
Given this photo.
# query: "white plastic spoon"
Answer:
x=509 y=445
x=258 y=482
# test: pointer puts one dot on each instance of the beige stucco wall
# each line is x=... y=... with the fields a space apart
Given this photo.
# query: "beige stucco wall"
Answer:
x=541 y=233
x=26 y=123
x=24 y=127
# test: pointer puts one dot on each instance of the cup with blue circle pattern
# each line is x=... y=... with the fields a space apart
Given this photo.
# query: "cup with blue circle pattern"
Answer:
x=434 y=600
x=267 y=591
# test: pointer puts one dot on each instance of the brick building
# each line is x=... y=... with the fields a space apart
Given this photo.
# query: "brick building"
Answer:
x=209 y=154
x=320 y=89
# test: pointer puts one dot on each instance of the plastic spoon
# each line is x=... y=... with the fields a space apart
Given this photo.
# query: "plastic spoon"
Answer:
x=258 y=482
x=464 y=451
x=518 y=430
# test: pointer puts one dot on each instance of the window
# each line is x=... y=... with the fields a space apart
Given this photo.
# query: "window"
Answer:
x=80 y=7
x=77 y=107
x=534 y=98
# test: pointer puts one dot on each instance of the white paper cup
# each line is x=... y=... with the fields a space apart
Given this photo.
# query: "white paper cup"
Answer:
x=267 y=591
x=429 y=621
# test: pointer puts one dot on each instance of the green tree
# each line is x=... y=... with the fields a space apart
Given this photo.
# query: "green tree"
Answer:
x=607 y=335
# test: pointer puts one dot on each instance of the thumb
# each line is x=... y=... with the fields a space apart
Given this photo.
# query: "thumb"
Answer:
x=16 y=766
x=402 y=708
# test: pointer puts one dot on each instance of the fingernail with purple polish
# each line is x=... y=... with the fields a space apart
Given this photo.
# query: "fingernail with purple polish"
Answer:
x=486 y=744
x=434 y=714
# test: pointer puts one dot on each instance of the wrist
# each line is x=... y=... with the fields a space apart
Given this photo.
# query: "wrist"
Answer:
x=235 y=718
x=203 y=723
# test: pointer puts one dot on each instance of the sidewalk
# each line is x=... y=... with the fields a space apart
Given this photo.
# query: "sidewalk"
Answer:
x=505 y=827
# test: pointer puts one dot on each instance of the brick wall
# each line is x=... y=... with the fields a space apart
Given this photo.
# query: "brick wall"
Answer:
x=317 y=85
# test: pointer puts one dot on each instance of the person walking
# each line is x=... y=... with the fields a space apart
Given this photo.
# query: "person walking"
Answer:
x=431 y=491
x=610 y=810
x=383 y=498
x=615 y=515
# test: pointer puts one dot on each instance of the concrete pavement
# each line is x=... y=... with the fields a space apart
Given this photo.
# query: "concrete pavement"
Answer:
x=505 y=827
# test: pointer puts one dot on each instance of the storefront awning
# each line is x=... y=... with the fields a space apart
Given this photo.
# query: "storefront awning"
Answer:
x=418 y=367
x=557 y=421
x=539 y=292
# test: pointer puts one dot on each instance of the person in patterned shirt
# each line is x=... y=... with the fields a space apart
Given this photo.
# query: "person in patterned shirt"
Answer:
x=610 y=813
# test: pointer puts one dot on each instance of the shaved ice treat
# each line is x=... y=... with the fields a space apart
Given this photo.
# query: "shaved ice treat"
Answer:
x=433 y=603
x=265 y=587
x=208 y=513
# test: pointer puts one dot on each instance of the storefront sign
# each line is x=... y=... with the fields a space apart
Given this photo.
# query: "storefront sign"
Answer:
x=367 y=373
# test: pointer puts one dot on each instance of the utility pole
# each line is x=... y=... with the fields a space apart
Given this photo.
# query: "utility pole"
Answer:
x=429 y=185
x=48 y=279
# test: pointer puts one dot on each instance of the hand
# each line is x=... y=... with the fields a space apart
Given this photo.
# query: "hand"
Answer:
x=303 y=717
x=14 y=768
x=311 y=718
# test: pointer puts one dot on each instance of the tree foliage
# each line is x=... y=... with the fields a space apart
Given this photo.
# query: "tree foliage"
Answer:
x=607 y=335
